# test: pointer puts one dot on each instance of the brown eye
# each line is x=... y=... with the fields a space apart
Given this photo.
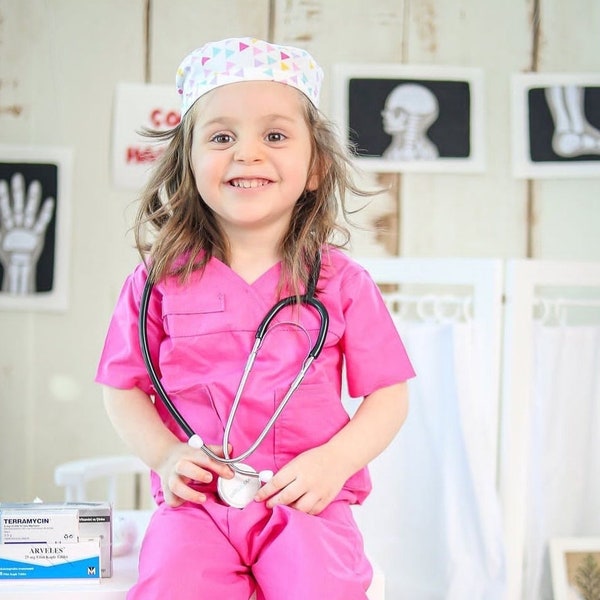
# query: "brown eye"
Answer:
x=275 y=136
x=221 y=138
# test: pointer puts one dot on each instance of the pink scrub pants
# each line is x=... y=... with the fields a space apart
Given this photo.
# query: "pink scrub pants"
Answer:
x=212 y=551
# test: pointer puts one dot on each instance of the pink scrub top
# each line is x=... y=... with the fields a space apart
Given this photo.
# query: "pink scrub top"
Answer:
x=200 y=334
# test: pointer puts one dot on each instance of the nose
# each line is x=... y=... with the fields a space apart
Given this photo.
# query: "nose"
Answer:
x=247 y=150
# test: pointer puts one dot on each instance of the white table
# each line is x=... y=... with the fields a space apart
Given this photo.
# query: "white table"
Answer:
x=115 y=587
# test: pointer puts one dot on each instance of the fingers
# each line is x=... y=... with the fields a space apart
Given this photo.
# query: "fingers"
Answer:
x=34 y=195
x=177 y=491
x=300 y=488
x=198 y=466
x=22 y=214
x=309 y=504
x=5 y=212
x=190 y=471
x=219 y=468
x=186 y=467
x=283 y=488
x=292 y=494
x=18 y=197
x=45 y=216
x=277 y=482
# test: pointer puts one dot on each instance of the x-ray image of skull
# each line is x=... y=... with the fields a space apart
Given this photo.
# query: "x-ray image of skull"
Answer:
x=410 y=109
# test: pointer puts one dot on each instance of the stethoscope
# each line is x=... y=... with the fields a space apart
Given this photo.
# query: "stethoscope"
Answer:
x=240 y=491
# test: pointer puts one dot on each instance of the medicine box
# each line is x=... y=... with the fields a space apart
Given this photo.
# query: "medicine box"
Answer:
x=42 y=526
x=80 y=560
x=59 y=523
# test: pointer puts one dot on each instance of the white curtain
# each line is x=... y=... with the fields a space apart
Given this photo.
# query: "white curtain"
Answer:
x=564 y=462
x=432 y=522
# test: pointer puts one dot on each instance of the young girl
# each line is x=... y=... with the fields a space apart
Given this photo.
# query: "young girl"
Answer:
x=241 y=210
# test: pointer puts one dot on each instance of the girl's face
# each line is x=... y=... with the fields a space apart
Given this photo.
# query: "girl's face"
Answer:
x=251 y=154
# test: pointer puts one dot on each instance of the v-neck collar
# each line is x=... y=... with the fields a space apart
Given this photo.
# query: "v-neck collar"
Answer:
x=268 y=278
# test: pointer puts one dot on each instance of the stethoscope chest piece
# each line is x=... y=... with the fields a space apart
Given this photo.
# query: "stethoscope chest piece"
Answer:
x=239 y=491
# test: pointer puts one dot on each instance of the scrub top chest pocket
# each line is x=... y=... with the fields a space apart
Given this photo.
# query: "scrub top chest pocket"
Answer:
x=202 y=342
x=204 y=315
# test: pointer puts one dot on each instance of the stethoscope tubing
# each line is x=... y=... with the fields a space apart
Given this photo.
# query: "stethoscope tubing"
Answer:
x=306 y=299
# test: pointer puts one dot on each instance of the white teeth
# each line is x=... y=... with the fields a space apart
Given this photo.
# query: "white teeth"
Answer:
x=248 y=183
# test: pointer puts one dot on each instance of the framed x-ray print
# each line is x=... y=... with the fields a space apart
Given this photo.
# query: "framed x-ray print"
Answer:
x=556 y=125
x=411 y=118
x=34 y=227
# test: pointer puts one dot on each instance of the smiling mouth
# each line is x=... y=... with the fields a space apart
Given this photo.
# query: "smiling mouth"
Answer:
x=249 y=183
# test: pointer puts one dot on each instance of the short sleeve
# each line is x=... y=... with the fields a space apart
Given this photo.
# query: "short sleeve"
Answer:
x=375 y=356
x=121 y=364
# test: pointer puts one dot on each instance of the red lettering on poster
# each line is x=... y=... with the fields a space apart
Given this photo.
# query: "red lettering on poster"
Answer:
x=162 y=119
x=142 y=154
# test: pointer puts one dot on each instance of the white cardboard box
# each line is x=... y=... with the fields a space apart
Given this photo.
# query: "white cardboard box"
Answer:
x=82 y=521
x=75 y=560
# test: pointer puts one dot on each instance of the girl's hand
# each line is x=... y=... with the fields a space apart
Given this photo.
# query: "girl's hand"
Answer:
x=308 y=482
x=185 y=465
x=313 y=479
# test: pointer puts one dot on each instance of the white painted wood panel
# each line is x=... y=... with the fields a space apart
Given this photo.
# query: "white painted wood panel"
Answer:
x=567 y=211
x=179 y=26
x=339 y=31
x=469 y=214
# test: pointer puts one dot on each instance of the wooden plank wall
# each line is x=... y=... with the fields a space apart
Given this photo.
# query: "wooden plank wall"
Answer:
x=59 y=63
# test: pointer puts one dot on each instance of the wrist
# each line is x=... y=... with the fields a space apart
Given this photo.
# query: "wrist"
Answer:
x=344 y=455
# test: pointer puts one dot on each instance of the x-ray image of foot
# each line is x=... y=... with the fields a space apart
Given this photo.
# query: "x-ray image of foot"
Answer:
x=410 y=109
x=573 y=134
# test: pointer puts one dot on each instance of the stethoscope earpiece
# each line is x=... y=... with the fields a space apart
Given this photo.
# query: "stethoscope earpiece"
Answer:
x=266 y=475
x=196 y=442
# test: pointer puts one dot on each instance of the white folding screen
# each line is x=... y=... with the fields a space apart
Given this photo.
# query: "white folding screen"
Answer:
x=550 y=447
x=433 y=519
x=527 y=332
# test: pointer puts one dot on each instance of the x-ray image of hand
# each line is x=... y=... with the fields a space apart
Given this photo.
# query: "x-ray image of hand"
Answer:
x=22 y=232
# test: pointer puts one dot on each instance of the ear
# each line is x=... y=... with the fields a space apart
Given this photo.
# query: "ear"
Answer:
x=313 y=182
x=316 y=175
